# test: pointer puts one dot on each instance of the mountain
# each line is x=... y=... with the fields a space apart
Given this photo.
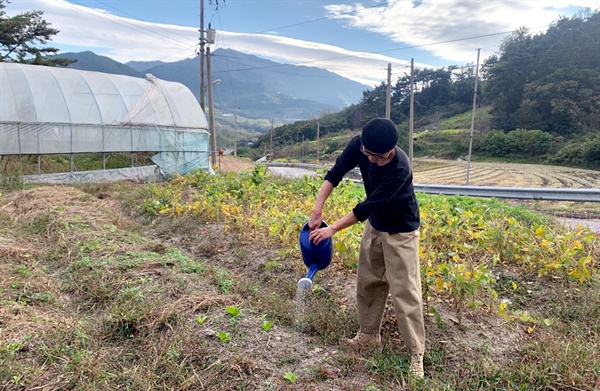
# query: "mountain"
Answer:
x=252 y=86
x=140 y=66
x=89 y=61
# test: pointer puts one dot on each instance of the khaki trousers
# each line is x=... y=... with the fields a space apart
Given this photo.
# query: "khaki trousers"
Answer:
x=389 y=263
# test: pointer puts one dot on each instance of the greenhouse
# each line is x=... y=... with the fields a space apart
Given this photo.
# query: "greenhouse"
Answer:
x=50 y=110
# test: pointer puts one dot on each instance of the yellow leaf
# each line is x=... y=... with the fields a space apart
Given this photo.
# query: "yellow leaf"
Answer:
x=530 y=329
x=502 y=308
x=514 y=286
x=439 y=284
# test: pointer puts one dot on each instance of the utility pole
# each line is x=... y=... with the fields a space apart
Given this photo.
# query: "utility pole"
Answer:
x=388 y=93
x=412 y=110
x=235 y=134
x=318 y=135
x=202 y=43
x=271 y=144
x=473 y=117
x=211 y=111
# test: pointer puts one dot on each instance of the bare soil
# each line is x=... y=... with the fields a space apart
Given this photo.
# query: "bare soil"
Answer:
x=228 y=163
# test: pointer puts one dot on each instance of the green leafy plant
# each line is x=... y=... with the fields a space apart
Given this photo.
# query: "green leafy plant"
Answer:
x=266 y=325
x=291 y=377
x=233 y=311
x=224 y=336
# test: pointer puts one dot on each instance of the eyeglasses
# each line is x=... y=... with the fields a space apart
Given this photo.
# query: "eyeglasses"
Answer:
x=366 y=152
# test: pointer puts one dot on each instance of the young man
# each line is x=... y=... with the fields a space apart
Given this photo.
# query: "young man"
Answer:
x=389 y=251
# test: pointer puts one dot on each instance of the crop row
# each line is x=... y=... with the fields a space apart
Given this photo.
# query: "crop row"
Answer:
x=509 y=175
x=465 y=242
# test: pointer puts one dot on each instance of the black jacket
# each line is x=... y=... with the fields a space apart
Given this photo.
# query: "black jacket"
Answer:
x=391 y=205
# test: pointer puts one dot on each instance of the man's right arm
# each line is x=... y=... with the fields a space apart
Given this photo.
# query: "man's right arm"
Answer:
x=317 y=214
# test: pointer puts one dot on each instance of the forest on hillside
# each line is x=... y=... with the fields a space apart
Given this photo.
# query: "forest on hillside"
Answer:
x=541 y=94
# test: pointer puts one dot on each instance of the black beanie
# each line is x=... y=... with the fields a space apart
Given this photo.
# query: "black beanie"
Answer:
x=379 y=135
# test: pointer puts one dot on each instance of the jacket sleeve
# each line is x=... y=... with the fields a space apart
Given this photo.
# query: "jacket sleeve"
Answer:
x=345 y=162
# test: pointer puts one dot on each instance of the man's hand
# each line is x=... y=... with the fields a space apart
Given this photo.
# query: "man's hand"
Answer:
x=318 y=235
x=316 y=218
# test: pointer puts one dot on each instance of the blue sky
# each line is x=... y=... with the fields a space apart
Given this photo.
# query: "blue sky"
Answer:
x=356 y=39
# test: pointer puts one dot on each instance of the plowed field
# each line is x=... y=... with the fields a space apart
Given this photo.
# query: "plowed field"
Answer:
x=446 y=172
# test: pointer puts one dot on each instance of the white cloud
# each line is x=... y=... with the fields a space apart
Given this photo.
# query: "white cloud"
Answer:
x=366 y=68
x=437 y=26
x=448 y=28
x=125 y=39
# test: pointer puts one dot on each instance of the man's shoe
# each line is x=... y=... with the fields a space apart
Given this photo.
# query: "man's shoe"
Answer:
x=363 y=340
x=416 y=366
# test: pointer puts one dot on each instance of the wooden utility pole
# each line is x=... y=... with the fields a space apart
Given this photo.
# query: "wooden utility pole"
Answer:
x=271 y=144
x=211 y=112
x=202 y=43
x=235 y=134
x=388 y=93
x=318 y=135
x=473 y=117
x=411 y=111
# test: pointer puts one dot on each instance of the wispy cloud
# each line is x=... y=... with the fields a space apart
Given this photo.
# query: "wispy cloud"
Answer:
x=441 y=27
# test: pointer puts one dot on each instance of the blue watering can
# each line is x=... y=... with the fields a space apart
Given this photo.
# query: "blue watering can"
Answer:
x=315 y=257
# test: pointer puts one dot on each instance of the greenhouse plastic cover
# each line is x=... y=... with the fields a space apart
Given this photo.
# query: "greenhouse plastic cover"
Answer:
x=49 y=110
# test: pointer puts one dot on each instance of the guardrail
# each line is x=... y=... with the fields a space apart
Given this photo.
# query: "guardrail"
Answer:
x=522 y=193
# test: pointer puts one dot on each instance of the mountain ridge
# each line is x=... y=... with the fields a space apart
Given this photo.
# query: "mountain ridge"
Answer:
x=249 y=85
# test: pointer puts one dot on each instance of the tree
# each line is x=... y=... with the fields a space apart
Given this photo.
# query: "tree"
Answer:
x=23 y=38
x=548 y=81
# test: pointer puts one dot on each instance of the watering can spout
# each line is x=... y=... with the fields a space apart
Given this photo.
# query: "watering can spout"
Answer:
x=312 y=270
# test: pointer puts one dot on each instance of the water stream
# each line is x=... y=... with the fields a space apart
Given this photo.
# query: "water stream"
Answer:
x=300 y=315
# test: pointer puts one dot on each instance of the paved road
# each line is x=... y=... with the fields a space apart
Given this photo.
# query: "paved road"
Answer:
x=594 y=225
x=293 y=172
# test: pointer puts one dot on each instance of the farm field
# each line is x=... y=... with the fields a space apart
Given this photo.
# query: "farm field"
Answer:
x=449 y=172
x=191 y=285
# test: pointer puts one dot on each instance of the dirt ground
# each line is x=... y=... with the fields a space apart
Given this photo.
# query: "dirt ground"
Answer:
x=228 y=163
